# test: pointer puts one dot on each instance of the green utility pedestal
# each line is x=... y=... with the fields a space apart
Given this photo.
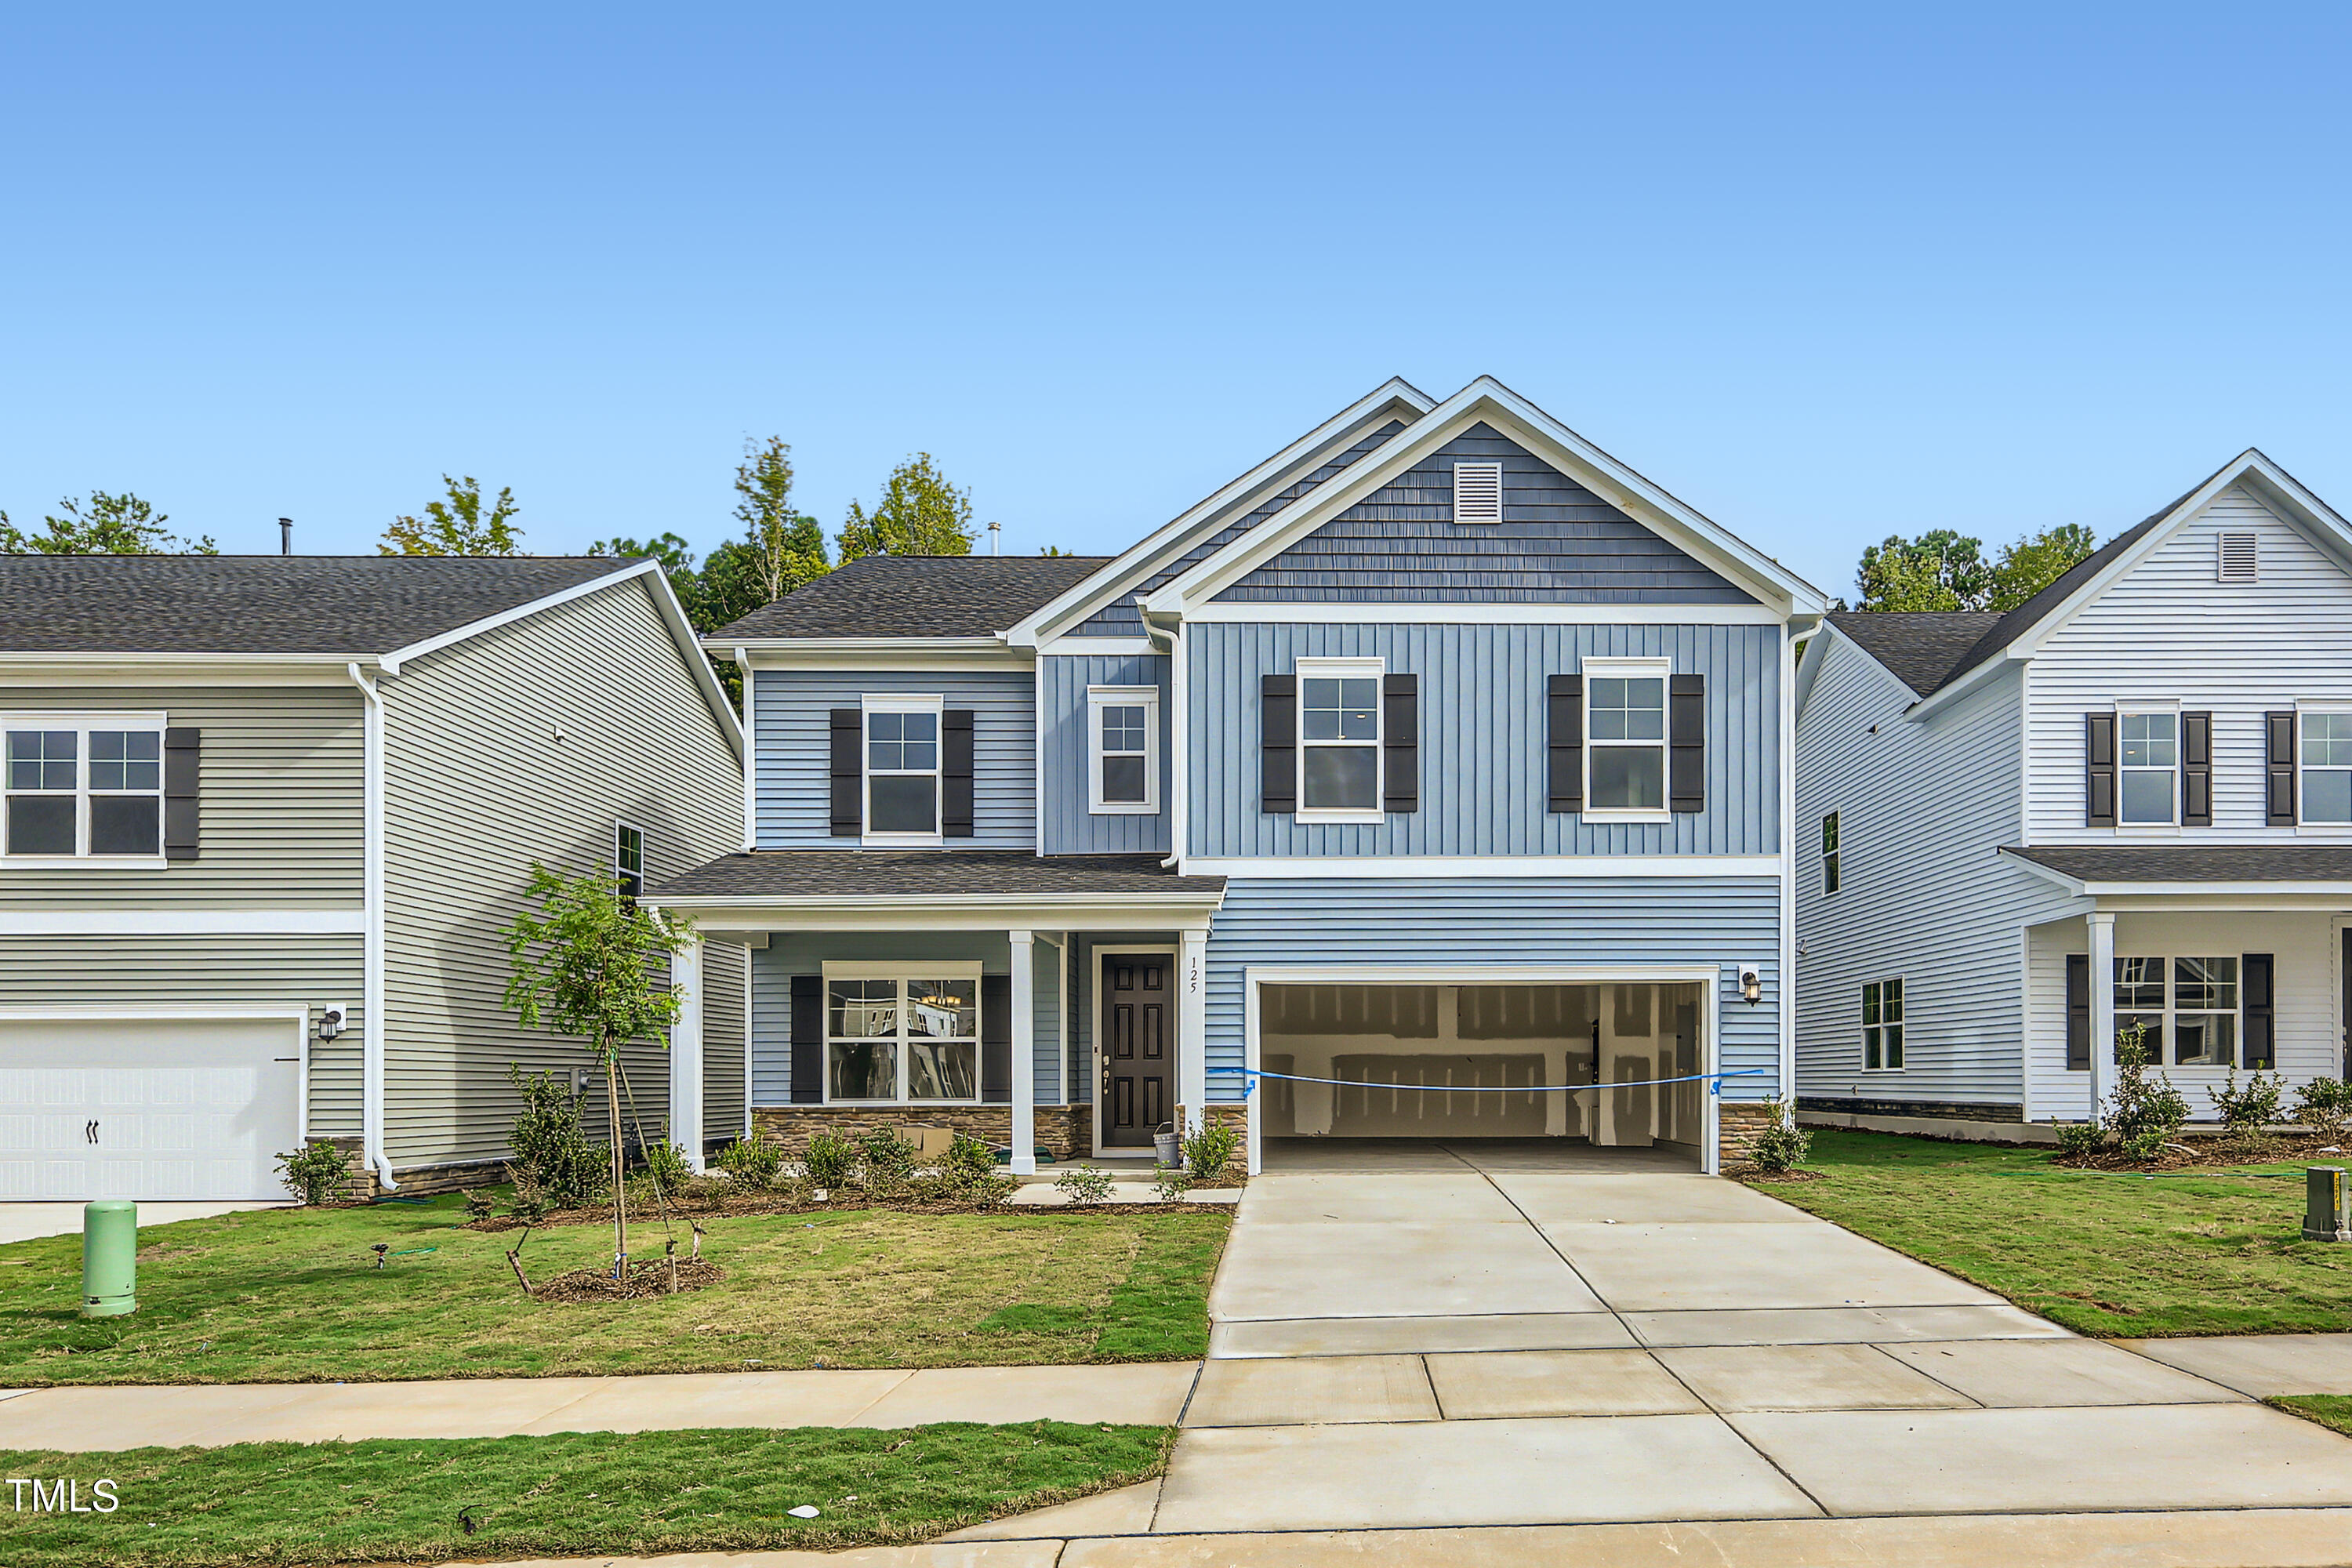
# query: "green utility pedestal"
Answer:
x=110 y=1257
x=2326 y=1205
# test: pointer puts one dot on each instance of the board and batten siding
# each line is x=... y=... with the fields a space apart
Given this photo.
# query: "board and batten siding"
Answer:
x=1071 y=829
x=791 y=715
x=1720 y=922
x=1483 y=743
x=529 y=742
x=2167 y=631
x=1924 y=896
x=281 y=813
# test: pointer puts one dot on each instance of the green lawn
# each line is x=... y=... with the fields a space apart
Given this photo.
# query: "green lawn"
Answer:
x=293 y=1295
x=579 y=1492
x=2327 y=1409
x=2114 y=1254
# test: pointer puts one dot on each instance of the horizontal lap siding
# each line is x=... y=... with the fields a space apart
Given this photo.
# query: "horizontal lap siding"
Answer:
x=793 y=718
x=282 y=806
x=2168 y=632
x=1717 y=922
x=1484 y=758
x=1922 y=807
x=208 y=972
x=528 y=744
x=1070 y=828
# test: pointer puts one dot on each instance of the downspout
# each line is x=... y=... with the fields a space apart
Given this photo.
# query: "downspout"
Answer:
x=1178 y=688
x=371 y=952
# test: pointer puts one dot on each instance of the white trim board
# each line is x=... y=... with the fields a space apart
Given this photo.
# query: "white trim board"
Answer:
x=1241 y=867
x=1393 y=611
x=183 y=923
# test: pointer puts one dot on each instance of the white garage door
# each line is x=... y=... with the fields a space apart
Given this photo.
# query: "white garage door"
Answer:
x=146 y=1107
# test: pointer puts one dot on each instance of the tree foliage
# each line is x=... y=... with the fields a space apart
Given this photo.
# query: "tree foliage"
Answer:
x=105 y=524
x=456 y=524
x=2038 y=560
x=920 y=513
x=1944 y=570
x=781 y=548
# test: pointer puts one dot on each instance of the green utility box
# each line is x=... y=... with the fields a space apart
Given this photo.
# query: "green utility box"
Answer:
x=2326 y=1205
x=110 y=1257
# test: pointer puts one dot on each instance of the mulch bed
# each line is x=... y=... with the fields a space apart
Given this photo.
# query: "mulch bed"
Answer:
x=646 y=1277
x=2208 y=1154
x=1778 y=1178
x=760 y=1205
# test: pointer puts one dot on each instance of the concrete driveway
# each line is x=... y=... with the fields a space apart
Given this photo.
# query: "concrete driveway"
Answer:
x=1466 y=1338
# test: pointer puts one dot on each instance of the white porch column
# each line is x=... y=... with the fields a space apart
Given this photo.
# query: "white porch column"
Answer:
x=1192 y=1028
x=2103 y=1008
x=1025 y=1053
x=686 y=1054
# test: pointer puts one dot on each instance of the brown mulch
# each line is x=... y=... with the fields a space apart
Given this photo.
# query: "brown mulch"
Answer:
x=764 y=1204
x=1778 y=1178
x=646 y=1277
x=2203 y=1153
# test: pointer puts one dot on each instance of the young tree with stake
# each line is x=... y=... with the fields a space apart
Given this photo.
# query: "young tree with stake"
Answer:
x=584 y=965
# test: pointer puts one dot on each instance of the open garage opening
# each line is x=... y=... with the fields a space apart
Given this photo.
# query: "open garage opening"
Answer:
x=1571 y=1069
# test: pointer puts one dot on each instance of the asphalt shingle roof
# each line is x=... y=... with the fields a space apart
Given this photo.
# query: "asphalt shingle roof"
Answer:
x=353 y=604
x=868 y=873
x=918 y=596
x=2194 y=863
x=1920 y=646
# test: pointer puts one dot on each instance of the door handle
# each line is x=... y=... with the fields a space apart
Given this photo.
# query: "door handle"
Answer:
x=90 y=1133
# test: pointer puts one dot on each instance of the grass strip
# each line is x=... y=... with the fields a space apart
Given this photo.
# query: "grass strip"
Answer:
x=633 y=1493
x=2327 y=1409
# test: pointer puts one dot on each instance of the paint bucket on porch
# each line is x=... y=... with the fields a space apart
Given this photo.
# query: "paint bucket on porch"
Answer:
x=110 y=1257
x=1166 y=1147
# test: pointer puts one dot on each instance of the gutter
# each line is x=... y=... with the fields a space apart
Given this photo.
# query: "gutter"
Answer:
x=371 y=1032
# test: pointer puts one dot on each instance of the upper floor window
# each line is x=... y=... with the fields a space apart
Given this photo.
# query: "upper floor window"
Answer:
x=2327 y=767
x=902 y=767
x=2149 y=762
x=1882 y=1025
x=1832 y=876
x=895 y=1037
x=629 y=861
x=84 y=786
x=1625 y=736
x=1123 y=750
x=1339 y=739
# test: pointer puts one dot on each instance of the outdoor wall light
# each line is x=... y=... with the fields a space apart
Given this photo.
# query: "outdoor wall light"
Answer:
x=330 y=1021
x=1751 y=984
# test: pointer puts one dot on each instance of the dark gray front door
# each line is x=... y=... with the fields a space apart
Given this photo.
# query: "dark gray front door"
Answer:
x=1139 y=1048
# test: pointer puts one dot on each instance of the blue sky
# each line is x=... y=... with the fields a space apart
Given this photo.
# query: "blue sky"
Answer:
x=1826 y=273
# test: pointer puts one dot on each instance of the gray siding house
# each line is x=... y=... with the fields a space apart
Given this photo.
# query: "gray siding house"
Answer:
x=2128 y=801
x=261 y=819
x=1439 y=751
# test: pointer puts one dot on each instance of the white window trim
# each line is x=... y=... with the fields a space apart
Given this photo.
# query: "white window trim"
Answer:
x=1833 y=858
x=902 y=973
x=1303 y=670
x=623 y=825
x=1148 y=698
x=1663 y=670
x=2303 y=710
x=82 y=722
x=1861 y=1030
x=874 y=702
x=2123 y=711
x=2171 y=1012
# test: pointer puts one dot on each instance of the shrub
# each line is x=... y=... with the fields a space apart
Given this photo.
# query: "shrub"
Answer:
x=1171 y=1182
x=1783 y=1145
x=2325 y=1105
x=829 y=1159
x=315 y=1172
x=2144 y=1146
x=968 y=1158
x=2080 y=1140
x=553 y=1155
x=970 y=1173
x=1209 y=1149
x=665 y=1164
x=530 y=1205
x=885 y=1160
x=1084 y=1185
x=2144 y=1112
x=751 y=1161
x=479 y=1205
x=2249 y=1112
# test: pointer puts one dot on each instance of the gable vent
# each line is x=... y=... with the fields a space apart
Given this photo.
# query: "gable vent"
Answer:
x=1477 y=493
x=2240 y=561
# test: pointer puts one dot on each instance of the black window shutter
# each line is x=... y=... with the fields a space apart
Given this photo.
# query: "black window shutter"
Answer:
x=955 y=773
x=1686 y=750
x=2099 y=774
x=2258 y=1001
x=996 y=1039
x=1278 y=714
x=2197 y=770
x=183 y=768
x=1564 y=705
x=848 y=773
x=2078 y=1012
x=1401 y=742
x=808 y=1039
x=2278 y=750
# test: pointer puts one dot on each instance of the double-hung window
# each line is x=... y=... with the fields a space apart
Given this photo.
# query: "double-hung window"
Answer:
x=1625 y=737
x=1339 y=739
x=2188 y=1003
x=1123 y=750
x=1833 y=868
x=2149 y=759
x=1882 y=1025
x=83 y=786
x=896 y=1037
x=902 y=768
x=629 y=861
x=2327 y=791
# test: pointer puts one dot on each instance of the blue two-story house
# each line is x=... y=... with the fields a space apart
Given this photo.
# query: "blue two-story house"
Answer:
x=1439 y=751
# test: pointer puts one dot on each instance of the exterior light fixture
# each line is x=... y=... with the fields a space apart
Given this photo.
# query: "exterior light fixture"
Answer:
x=1751 y=984
x=330 y=1021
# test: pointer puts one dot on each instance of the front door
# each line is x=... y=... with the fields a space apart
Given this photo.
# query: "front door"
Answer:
x=1139 y=1053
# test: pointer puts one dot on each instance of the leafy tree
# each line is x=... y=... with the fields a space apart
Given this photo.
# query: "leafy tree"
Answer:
x=2036 y=561
x=456 y=526
x=105 y=526
x=583 y=965
x=919 y=514
x=1937 y=571
x=677 y=558
x=781 y=549
x=1053 y=550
